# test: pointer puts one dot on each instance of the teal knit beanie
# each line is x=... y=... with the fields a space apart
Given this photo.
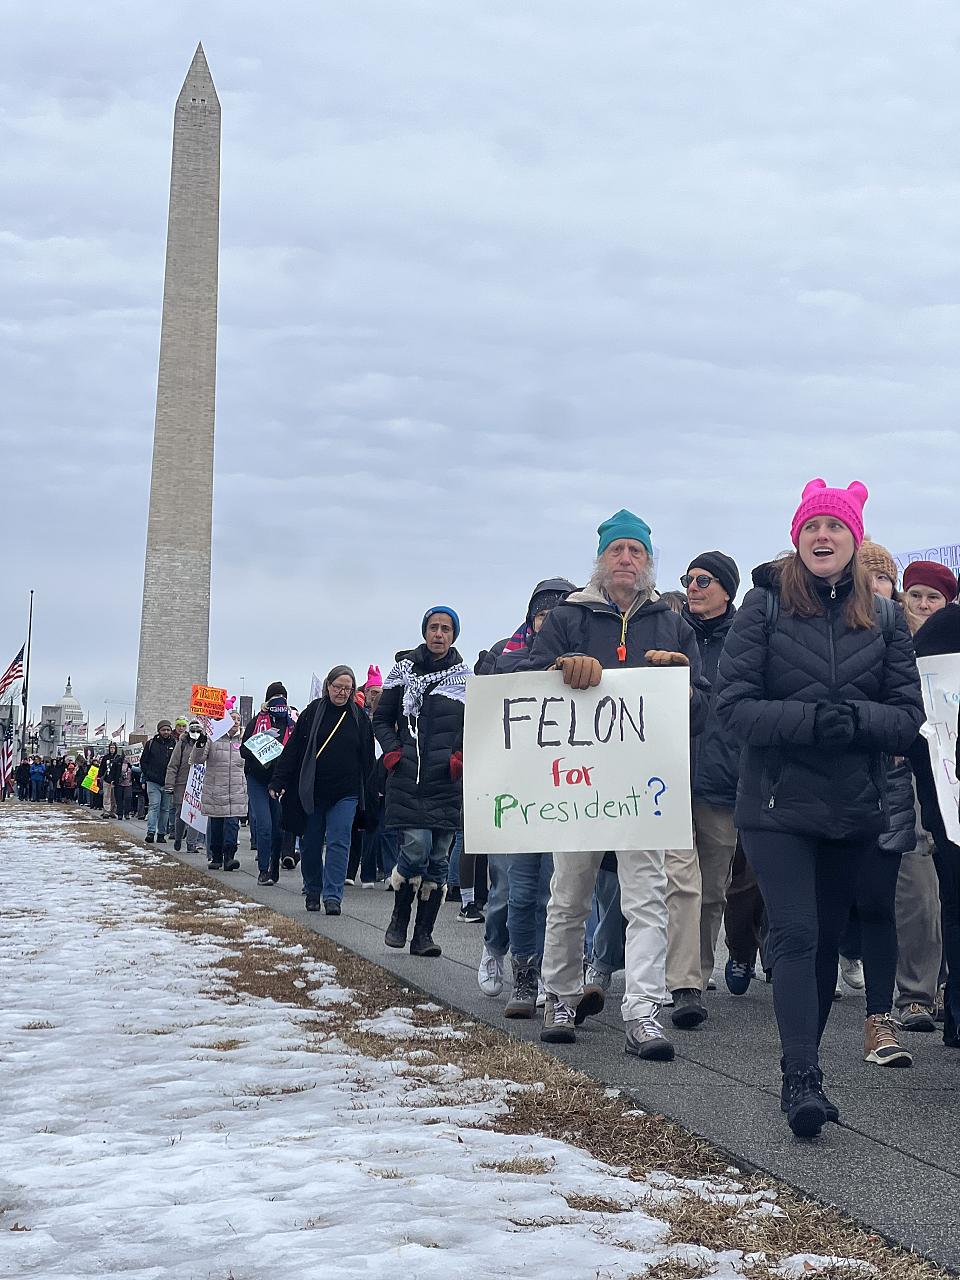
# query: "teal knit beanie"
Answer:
x=624 y=525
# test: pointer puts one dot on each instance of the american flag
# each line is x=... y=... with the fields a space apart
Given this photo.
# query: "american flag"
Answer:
x=101 y=729
x=13 y=673
x=120 y=730
x=6 y=757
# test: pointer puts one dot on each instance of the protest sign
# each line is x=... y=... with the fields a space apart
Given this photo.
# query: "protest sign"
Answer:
x=90 y=781
x=190 y=809
x=207 y=700
x=264 y=746
x=550 y=768
x=948 y=554
x=220 y=728
x=940 y=680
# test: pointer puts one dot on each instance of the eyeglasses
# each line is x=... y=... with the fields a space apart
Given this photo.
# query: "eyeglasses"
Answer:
x=340 y=688
x=702 y=580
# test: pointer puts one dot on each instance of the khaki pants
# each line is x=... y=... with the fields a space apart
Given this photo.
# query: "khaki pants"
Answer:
x=919 y=940
x=697 y=881
x=109 y=811
x=643 y=885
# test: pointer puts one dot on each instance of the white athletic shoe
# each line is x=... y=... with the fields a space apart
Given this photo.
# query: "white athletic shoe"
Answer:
x=838 y=990
x=490 y=973
x=541 y=993
x=852 y=973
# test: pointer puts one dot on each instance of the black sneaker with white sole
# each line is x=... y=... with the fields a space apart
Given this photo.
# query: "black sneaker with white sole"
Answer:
x=470 y=913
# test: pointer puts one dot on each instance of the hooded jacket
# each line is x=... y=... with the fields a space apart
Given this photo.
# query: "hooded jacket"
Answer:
x=178 y=769
x=110 y=767
x=770 y=682
x=294 y=771
x=420 y=791
x=499 y=659
x=716 y=753
x=588 y=623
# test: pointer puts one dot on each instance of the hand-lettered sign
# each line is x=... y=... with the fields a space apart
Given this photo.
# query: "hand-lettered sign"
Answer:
x=548 y=768
x=207 y=700
x=190 y=809
x=264 y=746
x=940 y=680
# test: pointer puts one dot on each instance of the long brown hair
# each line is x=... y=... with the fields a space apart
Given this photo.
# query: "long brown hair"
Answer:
x=798 y=594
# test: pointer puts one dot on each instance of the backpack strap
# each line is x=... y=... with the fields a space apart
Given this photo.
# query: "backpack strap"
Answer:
x=773 y=611
x=887 y=613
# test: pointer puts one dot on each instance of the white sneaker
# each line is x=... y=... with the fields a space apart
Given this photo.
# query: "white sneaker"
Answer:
x=838 y=990
x=541 y=993
x=852 y=973
x=596 y=978
x=368 y=884
x=490 y=973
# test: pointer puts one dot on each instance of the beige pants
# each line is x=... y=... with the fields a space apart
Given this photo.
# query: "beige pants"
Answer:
x=697 y=882
x=643 y=885
x=109 y=809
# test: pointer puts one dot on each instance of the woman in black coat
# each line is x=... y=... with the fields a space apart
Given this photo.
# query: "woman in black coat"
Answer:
x=819 y=683
x=324 y=777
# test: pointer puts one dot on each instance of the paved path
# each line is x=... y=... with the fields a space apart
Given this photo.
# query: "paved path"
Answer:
x=893 y=1164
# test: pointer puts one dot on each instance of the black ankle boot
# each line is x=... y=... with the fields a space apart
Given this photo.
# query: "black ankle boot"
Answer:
x=396 y=934
x=422 y=943
x=806 y=1112
x=831 y=1108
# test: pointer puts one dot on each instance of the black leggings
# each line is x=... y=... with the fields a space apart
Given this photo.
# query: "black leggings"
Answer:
x=871 y=934
x=808 y=885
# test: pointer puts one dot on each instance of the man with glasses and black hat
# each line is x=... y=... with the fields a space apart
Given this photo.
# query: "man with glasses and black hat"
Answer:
x=697 y=879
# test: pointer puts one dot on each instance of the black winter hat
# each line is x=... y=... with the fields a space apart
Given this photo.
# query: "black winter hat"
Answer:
x=723 y=568
x=275 y=690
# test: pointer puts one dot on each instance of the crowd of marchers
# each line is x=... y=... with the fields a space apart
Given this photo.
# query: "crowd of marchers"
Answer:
x=819 y=844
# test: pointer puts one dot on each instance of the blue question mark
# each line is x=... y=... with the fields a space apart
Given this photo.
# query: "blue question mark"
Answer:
x=656 y=798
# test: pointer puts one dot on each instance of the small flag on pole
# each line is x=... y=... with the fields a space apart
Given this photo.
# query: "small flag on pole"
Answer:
x=119 y=731
x=101 y=729
x=13 y=673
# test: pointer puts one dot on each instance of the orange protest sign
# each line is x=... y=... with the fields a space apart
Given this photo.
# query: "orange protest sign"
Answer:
x=205 y=700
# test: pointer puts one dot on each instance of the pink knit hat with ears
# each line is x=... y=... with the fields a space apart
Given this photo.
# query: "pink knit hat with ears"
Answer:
x=374 y=678
x=845 y=504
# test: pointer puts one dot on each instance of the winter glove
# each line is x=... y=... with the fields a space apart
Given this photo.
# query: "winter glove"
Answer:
x=391 y=760
x=834 y=724
x=456 y=766
x=580 y=671
x=666 y=658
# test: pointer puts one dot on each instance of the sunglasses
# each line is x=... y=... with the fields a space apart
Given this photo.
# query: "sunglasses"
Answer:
x=702 y=580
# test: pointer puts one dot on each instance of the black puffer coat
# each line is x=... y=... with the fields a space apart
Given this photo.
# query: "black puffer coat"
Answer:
x=586 y=623
x=768 y=689
x=901 y=833
x=940 y=634
x=716 y=752
x=420 y=791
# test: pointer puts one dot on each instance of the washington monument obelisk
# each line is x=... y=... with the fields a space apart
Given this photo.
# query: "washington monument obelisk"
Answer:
x=175 y=621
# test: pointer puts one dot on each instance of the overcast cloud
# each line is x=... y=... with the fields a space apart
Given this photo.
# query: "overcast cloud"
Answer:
x=488 y=273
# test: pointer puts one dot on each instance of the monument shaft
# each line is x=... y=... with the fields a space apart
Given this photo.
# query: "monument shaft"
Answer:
x=175 y=620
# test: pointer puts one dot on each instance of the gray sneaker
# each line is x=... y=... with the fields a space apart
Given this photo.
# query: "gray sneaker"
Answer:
x=558 y=1022
x=523 y=1000
x=645 y=1039
x=917 y=1017
x=596 y=979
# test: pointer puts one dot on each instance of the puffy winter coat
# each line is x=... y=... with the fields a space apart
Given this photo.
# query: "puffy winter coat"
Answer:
x=588 y=623
x=420 y=791
x=716 y=752
x=178 y=769
x=155 y=758
x=224 y=792
x=770 y=682
x=901 y=833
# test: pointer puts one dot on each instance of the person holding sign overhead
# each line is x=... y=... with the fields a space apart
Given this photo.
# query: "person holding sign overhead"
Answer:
x=819 y=683
x=617 y=621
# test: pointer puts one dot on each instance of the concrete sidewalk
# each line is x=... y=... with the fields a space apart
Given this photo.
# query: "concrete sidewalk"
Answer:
x=892 y=1164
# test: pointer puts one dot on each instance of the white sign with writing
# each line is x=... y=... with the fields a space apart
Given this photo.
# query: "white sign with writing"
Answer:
x=264 y=746
x=190 y=809
x=948 y=554
x=548 y=768
x=940 y=679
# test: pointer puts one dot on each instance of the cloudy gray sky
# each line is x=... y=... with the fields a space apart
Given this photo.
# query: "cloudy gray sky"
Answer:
x=488 y=273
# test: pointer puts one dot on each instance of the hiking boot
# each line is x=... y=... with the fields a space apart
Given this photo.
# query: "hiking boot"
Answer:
x=558 y=1022
x=738 y=975
x=645 y=1039
x=161 y=839
x=917 y=1017
x=396 y=934
x=313 y=902
x=595 y=979
x=470 y=913
x=590 y=1003
x=490 y=973
x=214 y=864
x=264 y=878
x=831 y=1108
x=230 y=863
x=428 y=905
x=148 y=838
x=177 y=845
x=688 y=1008
x=331 y=906
x=881 y=1044
x=851 y=971
x=523 y=999
x=806 y=1110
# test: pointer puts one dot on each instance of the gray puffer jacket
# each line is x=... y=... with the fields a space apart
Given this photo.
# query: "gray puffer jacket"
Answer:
x=178 y=768
x=224 y=784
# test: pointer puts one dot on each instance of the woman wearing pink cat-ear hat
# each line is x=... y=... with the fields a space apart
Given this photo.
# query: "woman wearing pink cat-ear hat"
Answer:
x=819 y=682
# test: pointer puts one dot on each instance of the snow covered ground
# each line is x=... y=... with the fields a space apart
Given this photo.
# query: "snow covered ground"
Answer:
x=156 y=1124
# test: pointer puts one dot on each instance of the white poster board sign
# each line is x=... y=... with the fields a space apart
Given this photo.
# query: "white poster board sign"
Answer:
x=220 y=728
x=190 y=809
x=940 y=680
x=264 y=746
x=553 y=769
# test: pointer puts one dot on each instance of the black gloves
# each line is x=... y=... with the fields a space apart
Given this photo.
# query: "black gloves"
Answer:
x=835 y=724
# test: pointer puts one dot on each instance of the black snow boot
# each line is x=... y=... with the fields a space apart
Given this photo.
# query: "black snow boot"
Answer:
x=831 y=1108
x=405 y=891
x=806 y=1112
x=428 y=904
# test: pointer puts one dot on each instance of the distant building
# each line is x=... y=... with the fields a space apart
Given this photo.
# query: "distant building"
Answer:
x=63 y=726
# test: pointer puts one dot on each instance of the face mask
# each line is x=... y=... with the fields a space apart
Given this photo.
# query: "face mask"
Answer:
x=194 y=734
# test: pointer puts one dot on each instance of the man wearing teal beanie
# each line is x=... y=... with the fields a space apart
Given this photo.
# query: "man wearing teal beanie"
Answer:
x=624 y=525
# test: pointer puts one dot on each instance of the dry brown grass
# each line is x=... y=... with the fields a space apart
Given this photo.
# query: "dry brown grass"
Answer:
x=567 y=1105
x=40 y=1025
x=519 y=1164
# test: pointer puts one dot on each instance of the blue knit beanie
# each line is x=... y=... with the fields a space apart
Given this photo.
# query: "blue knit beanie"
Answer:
x=441 y=608
x=624 y=525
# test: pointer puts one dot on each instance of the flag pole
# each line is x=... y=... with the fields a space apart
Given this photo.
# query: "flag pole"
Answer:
x=26 y=679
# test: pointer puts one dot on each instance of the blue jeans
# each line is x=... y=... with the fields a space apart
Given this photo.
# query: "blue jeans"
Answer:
x=424 y=853
x=38 y=787
x=158 y=811
x=529 y=878
x=379 y=855
x=265 y=821
x=222 y=837
x=495 y=935
x=324 y=877
x=610 y=933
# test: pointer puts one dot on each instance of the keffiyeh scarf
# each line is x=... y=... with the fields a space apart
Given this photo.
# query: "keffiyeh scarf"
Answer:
x=449 y=683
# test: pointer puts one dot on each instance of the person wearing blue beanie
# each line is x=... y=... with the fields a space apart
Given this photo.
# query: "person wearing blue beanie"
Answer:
x=624 y=524
x=451 y=614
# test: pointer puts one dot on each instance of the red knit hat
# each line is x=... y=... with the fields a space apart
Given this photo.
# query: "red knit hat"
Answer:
x=845 y=504
x=928 y=573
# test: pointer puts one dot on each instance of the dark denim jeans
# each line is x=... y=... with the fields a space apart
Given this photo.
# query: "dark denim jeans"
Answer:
x=529 y=880
x=265 y=818
x=222 y=837
x=609 y=938
x=424 y=853
x=324 y=877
